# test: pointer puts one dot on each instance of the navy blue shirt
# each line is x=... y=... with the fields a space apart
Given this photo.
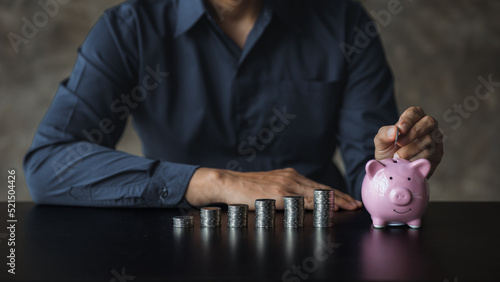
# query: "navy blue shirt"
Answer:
x=312 y=76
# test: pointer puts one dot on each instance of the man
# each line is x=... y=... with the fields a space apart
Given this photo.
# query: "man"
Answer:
x=232 y=100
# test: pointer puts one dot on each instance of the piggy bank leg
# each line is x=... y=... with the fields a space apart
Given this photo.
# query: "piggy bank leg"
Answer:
x=378 y=223
x=415 y=223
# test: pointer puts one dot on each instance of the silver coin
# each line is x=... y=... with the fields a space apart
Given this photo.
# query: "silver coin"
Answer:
x=210 y=216
x=265 y=213
x=183 y=221
x=324 y=206
x=237 y=215
x=294 y=211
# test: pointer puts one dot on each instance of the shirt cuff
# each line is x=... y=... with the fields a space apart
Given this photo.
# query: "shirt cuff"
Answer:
x=168 y=184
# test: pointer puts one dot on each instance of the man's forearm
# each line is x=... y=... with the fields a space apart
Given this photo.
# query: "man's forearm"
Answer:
x=65 y=174
x=204 y=187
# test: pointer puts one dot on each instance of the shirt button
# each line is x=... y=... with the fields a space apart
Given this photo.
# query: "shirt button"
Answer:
x=164 y=193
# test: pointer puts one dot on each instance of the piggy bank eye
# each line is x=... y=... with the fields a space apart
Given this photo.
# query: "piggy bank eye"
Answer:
x=390 y=178
x=409 y=179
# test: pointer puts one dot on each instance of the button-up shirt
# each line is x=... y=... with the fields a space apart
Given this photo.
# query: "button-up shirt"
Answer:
x=312 y=76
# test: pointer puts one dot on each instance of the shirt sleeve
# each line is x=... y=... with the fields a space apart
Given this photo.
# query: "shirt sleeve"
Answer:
x=72 y=160
x=368 y=101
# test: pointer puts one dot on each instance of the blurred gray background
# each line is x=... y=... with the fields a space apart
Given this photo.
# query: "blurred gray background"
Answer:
x=437 y=51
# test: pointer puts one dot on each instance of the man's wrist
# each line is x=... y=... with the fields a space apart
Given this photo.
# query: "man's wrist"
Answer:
x=205 y=187
x=214 y=183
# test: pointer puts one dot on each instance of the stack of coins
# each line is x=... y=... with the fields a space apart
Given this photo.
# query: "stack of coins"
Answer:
x=294 y=211
x=237 y=215
x=265 y=210
x=324 y=204
x=210 y=217
x=183 y=221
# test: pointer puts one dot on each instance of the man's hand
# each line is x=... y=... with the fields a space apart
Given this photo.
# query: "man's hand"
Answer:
x=419 y=138
x=231 y=187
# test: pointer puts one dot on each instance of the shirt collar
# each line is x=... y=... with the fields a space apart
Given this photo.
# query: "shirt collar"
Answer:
x=189 y=12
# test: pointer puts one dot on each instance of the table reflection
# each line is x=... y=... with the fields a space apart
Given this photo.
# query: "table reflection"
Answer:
x=236 y=241
x=264 y=238
x=290 y=238
x=394 y=253
x=210 y=237
x=182 y=234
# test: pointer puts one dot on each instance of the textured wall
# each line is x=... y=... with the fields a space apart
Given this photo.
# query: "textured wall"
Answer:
x=437 y=50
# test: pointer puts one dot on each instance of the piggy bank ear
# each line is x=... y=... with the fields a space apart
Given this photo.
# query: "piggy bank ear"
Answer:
x=423 y=166
x=372 y=167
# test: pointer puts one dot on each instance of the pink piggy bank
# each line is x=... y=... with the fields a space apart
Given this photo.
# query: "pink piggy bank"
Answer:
x=395 y=191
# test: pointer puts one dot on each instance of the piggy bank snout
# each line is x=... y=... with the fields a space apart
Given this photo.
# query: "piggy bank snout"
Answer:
x=400 y=196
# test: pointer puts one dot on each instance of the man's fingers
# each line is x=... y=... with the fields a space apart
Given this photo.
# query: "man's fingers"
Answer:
x=384 y=142
x=346 y=202
x=288 y=182
x=308 y=186
x=419 y=137
x=423 y=127
x=385 y=136
x=409 y=118
x=419 y=148
x=423 y=148
x=341 y=201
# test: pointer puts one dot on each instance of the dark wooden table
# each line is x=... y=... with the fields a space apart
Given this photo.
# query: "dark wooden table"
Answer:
x=457 y=242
